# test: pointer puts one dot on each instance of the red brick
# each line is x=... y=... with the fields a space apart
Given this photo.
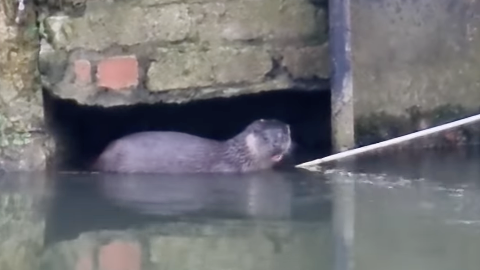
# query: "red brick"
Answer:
x=118 y=72
x=120 y=255
x=84 y=263
x=83 y=70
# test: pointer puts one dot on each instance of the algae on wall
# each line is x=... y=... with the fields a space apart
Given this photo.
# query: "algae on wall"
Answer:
x=413 y=54
x=22 y=138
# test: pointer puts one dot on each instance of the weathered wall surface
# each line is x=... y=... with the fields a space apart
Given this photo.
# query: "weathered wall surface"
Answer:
x=124 y=52
x=414 y=54
x=23 y=142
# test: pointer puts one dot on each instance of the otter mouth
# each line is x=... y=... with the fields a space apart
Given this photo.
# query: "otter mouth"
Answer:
x=277 y=158
x=287 y=151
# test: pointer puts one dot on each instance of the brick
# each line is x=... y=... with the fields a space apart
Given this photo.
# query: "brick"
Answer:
x=307 y=62
x=118 y=72
x=84 y=263
x=193 y=66
x=82 y=69
x=120 y=255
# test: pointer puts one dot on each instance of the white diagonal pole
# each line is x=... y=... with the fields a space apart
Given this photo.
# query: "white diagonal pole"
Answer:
x=390 y=142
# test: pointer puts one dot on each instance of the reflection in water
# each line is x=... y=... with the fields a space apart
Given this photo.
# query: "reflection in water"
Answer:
x=444 y=167
x=23 y=201
x=415 y=211
x=265 y=220
x=120 y=201
x=264 y=195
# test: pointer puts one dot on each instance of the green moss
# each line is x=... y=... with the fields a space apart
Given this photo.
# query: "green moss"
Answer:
x=15 y=139
x=11 y=134
x=381 y=126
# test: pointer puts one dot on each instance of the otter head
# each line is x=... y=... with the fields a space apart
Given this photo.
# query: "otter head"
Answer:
x=268 y=141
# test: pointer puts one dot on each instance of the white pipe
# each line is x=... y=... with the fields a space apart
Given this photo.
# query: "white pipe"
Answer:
x=390 y=142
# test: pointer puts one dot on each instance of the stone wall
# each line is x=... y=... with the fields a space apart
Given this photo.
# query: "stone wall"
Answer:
x=415 y=65
x=23 y=142
x=125 y=52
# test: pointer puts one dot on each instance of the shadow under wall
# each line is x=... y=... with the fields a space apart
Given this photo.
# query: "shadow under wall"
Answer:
x=82 y=132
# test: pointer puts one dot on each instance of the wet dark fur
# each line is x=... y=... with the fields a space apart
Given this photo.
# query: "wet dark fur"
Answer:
x=259 y=146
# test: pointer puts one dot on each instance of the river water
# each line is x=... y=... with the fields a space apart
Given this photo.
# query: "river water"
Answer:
x=406 y=211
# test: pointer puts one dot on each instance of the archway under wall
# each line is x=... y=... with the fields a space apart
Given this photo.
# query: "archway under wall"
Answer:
x=82 y=132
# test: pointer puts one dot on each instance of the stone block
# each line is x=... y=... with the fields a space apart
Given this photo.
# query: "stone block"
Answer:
x=130 y=24
x=177 y=69
x=275 y=20
x=51 y=63
x=119 y=72
x=119 y=24
x=194 y=66
x=120 y=255
x=307 y=62
x=231 y=65
x=59 y=29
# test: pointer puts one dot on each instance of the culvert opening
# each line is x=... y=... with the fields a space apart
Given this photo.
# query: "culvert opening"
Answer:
x=82 y=132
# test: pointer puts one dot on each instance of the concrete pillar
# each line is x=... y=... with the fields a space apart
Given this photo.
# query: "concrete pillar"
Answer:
x=23 y=143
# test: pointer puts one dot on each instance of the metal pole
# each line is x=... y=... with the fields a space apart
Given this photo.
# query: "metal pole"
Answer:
x=341 y=75
x=342 y=129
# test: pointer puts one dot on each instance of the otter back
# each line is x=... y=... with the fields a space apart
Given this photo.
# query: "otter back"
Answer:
x=162 y=152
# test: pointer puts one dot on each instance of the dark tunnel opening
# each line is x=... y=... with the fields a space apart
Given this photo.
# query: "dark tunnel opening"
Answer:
x=82 y=132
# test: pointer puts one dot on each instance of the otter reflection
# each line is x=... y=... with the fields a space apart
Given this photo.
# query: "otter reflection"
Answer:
x=257 y=195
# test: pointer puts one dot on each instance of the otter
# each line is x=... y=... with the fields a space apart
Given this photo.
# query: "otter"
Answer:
x=260 y=146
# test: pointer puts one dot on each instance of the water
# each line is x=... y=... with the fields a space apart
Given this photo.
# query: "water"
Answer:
x=406 y=211
x=418 y=211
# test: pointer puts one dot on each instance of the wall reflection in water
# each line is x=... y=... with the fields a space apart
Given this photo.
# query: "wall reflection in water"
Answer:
x=267 y=220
